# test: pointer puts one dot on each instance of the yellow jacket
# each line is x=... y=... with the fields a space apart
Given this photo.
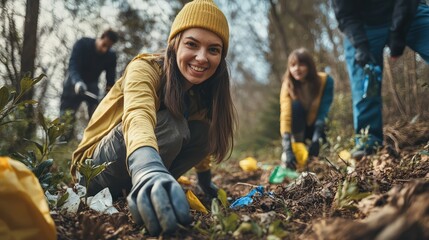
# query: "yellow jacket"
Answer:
x=134 y=101
x=315 y=112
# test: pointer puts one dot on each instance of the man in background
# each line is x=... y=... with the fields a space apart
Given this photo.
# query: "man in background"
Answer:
x=89 y=58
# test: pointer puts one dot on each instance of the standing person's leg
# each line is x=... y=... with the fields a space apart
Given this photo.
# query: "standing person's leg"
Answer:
x=367 y=111
x=299 y=121
x=418 y=35
x=171 y=133
x=68 y=108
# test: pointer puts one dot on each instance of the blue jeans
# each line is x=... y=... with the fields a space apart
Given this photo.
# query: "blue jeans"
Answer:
x=368 y=111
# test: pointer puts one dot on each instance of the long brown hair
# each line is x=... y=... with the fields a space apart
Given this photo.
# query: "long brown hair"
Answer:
x=302 y=56
x=214 y=93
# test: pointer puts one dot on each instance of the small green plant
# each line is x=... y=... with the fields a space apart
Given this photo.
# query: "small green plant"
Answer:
x=227 y=222
x=89 y=171
x=10 y=99
x=41 y=164
x=348 y=193
x=223 y=223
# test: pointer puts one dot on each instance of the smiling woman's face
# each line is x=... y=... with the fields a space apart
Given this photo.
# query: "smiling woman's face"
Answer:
x=198 y=55
x=298 y=70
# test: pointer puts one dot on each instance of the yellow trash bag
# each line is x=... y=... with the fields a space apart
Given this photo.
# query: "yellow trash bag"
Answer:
x=248 y=164
x=24 y=212
x=301 y=153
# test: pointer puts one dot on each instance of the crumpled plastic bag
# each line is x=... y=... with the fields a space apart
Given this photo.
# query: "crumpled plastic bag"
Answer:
x=102 y=202
x=345 y=155
x=246 y=200
x=24 y=212
x=72 y=203
x=280 y=173
x=195 y=203
x=248 y=164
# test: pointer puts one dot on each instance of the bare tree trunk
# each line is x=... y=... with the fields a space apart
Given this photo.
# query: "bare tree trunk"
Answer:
x=279 y=27
x=29 y=44
x=28 y=56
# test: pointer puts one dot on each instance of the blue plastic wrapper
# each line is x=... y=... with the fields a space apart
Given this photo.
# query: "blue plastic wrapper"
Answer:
x=246 y=200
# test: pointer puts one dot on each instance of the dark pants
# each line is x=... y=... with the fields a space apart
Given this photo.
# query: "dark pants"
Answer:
x=181 y=144
x=71 y=104
x=300 y=130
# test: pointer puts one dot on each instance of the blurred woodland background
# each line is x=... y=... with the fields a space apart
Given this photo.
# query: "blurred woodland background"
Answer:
x=37 y=36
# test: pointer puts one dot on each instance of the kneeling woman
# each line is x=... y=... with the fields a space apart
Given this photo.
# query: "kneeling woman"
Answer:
x=305 y=100
x=165 y=115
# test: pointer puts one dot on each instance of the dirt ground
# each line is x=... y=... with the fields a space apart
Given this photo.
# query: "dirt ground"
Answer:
x=385 y=196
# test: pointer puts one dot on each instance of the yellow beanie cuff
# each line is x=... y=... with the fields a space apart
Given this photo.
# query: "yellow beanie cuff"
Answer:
x=202 y=14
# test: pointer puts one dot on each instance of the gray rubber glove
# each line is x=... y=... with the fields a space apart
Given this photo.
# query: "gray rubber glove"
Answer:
x=156 y=198
x=206 y=184
x=317 y=134
x=288 y=157
x=80 y=88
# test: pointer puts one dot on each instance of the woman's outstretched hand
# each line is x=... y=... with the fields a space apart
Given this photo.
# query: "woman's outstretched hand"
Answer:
x=156 y=200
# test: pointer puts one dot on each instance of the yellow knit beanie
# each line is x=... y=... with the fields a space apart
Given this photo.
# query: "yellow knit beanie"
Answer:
x=202 y=14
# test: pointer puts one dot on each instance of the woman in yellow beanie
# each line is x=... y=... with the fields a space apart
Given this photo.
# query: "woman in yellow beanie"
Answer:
x=166 y=114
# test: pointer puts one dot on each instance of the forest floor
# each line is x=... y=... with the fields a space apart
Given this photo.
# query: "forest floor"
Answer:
x=384 y=196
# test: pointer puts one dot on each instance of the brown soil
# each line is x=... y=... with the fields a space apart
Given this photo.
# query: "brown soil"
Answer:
x=386 y=197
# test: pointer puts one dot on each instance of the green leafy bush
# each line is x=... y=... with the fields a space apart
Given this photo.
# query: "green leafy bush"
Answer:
x=11 y=101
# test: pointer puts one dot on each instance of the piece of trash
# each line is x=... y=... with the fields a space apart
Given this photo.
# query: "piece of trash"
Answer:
x=345 y=155
x=24 y=211
x=246 y=200
x=102 y=202
x=301 y=153
x=52 y=199
x=248 y=164
x=184 y=180
x=280 y=173
x=195 y=203
x=72 y=203
x=306 y=179
x=80 y=190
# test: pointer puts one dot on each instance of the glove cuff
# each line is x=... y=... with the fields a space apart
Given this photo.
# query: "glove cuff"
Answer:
x=318 y=130
x=287 y=142
x=143 y=161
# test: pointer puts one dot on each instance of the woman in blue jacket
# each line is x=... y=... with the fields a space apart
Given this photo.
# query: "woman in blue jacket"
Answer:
x=305 y=99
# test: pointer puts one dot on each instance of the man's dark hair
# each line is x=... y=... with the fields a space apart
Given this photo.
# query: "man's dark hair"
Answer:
x=110 y=34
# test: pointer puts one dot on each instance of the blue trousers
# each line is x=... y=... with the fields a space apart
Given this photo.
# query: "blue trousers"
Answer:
x=368 y=111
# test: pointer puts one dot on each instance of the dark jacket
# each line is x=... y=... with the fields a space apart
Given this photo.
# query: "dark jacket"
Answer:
x=353 y=15
x=87 y=65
